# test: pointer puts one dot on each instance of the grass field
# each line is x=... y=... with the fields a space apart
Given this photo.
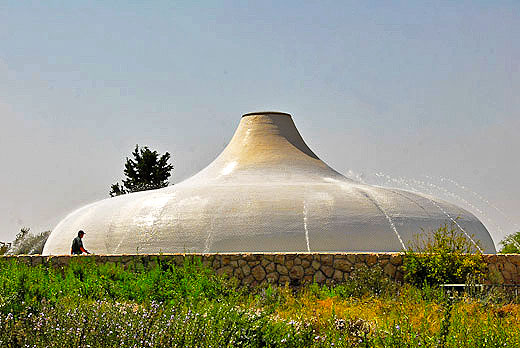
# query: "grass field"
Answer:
x=86 y=305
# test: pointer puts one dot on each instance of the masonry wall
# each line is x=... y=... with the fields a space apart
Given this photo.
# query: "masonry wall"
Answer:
x=287 y=268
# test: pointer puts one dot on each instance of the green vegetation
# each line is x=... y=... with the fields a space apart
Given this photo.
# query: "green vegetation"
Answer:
x=445 y=256
x=25 y=243
x=511 y=244
x=85 y=305
x=147 y=171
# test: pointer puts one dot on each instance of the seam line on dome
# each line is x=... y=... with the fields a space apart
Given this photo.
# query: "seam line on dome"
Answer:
x=388 y=218
x=305 y=225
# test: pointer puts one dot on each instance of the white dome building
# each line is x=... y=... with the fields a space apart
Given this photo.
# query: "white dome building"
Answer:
x=266 y=192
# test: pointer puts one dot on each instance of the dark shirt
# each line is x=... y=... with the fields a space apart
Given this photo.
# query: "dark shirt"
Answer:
x=77 y=245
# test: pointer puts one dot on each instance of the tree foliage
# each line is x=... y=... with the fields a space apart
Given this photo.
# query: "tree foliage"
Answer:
x=25 y=243
x=446 y=256
x=146 y=171
x=511 y=244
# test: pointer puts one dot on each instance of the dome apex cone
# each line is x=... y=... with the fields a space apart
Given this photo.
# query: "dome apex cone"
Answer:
x=267 y=143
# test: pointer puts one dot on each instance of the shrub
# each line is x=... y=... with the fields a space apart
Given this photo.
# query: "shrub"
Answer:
x=511 y=244
x=27 y=243
x=446 y=256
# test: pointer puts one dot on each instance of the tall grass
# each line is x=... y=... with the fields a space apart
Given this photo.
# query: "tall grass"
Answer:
x=85 y=305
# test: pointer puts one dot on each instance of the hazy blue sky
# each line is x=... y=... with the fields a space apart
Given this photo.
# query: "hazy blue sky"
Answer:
x=420 y=91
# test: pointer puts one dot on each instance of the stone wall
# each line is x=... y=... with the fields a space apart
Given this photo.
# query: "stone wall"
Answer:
x=287 y=268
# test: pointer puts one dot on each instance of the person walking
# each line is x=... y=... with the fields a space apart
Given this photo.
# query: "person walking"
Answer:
x=77 y=245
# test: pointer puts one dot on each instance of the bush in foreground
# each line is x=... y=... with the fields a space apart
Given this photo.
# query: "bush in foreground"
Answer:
x=446 y=256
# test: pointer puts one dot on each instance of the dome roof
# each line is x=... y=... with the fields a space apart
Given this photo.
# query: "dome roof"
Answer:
x=266 y=192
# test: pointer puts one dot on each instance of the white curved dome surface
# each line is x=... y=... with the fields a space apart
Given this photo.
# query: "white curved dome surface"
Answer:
x=266 y=192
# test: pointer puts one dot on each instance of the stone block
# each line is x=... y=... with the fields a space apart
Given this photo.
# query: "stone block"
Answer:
x=327 y=270
x=371 y=260
x=507 y=276
x=327 y=259
x=319 y=277
x=246 y=269
x=396 y=260
x=226 y=259
x=251 y=257
x=270 y=267
x=490 y=258
x=316 y=265
x=515 y=260
x=282 y=269
x=258 y=272
x=279 y=259
x=272 y=277
x=337 y=276
x=225 y=270
x=309 y=271
x=305 y=263
x=308 y=279
x=342 y=265
x=296 y=272
x=361 y=258
x=237 y=273
x=284 y=280
x=389 y=270
x=36 y=260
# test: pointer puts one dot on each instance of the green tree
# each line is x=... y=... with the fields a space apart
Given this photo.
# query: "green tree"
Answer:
x=25 y=243
x=511 y=244
x=445 y=256
x=146 y=171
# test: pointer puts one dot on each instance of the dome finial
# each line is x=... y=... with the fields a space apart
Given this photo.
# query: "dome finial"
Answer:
x=267 y=113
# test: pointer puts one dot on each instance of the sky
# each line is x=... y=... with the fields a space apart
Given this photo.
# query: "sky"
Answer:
x=418 y=95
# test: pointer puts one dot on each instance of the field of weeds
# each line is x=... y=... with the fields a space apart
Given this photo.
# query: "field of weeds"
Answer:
x=86 y=305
